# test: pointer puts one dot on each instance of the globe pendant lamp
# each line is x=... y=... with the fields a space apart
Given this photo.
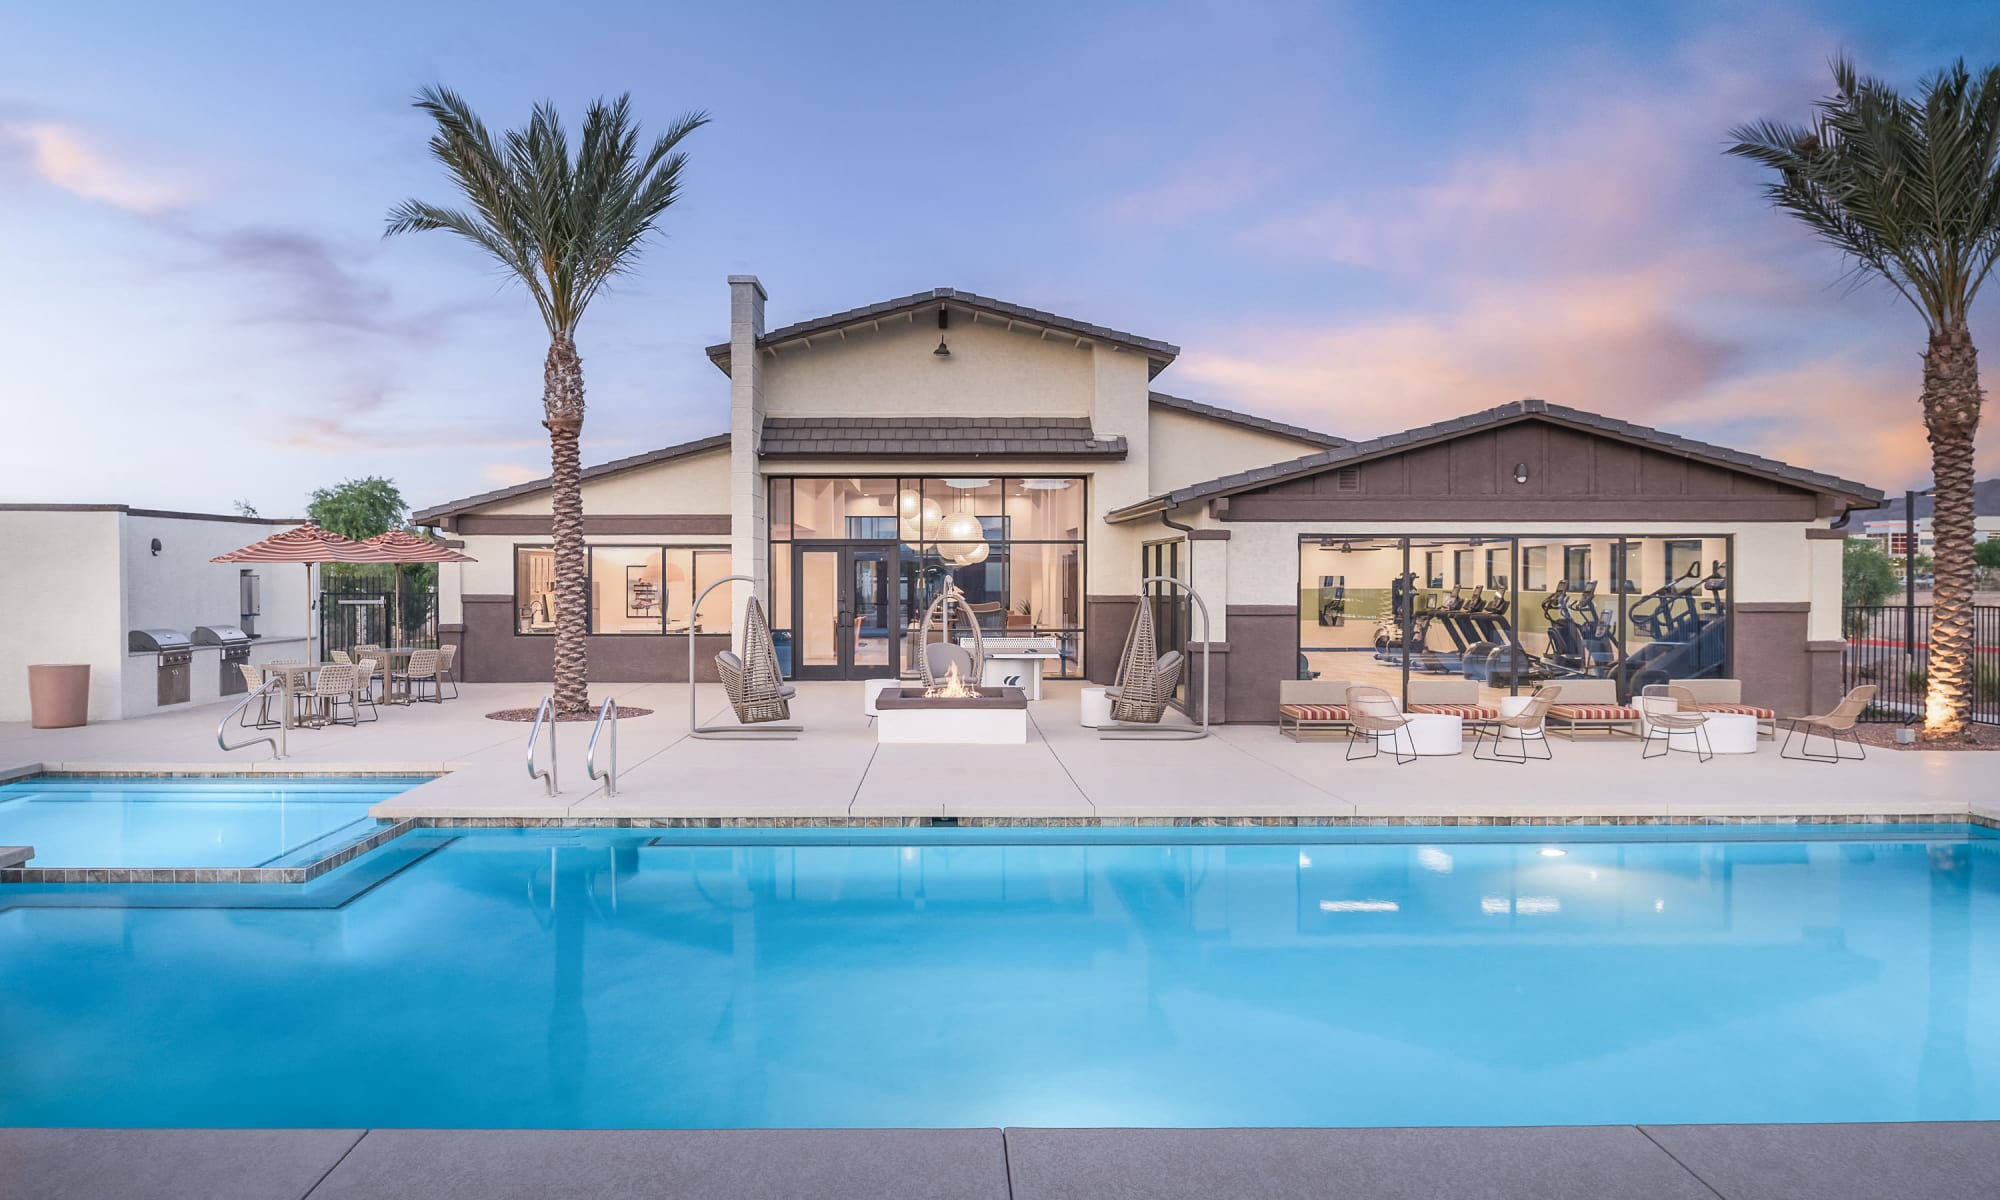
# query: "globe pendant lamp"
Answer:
x=918 y=519
x=959 y=537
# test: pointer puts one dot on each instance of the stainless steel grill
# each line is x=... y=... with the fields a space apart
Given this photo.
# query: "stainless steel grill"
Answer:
x=235 y=646
x=176 y=660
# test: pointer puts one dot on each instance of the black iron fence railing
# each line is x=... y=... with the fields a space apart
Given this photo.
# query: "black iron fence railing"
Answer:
x=363 y=609
x=1888 y=645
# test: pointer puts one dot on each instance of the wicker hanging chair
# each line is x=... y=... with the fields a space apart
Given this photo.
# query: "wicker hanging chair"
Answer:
x=1146 y=679
x=971 y=659
x=756 y=688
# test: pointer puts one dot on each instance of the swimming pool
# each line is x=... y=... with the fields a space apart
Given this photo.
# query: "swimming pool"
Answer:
x=1196 y=977
x=188 y=821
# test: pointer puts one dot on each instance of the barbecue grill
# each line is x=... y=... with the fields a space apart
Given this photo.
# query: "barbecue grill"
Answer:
x=235 y=646
x=176 y=658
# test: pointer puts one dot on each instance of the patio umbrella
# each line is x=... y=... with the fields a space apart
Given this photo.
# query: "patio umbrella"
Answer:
x=307 y=545
x=405 y=547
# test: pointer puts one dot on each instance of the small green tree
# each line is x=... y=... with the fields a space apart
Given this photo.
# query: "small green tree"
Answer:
x=1987 y=553
x=358 y=508
x=244 y=508
x=1867 y=578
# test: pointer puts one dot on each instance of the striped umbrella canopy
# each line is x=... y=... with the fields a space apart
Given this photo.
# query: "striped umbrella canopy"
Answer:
x=407 y=547
x=307 y=545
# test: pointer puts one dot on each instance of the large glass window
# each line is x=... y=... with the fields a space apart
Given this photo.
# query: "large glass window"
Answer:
x=1030 y=531
x=634 y=590
x=1664 y=614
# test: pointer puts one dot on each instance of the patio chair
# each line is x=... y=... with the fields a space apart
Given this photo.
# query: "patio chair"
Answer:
x=252 y=680
x=1726 y=696
x=1372 y=712
x=333 y=684
x=941 y=657
x=1524 y=728
x=756 y=688
x=1144 y=685
x=447 y=660
x=422 y=669
x=1686 y=717
x=1831 y=726
x=340 y=656
x=364 y=689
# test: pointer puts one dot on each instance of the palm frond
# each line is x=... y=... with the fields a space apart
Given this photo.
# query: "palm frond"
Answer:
x=563 y=222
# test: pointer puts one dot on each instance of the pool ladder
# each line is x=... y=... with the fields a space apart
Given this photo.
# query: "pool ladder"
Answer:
x=608 y=711
x=277 y=744
x=545 y=715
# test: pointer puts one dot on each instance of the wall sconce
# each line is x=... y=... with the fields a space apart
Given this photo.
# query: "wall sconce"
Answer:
x=1520 y=472
x=156 y=547
x=944 y=323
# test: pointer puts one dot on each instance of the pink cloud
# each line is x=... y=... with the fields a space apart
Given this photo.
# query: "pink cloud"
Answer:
x=63 y=156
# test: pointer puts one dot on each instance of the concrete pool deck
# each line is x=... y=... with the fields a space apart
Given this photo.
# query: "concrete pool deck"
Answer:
x=835 y=772
x=1945 y=1161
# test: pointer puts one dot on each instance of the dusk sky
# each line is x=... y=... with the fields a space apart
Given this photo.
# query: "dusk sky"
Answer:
x=1354 y=217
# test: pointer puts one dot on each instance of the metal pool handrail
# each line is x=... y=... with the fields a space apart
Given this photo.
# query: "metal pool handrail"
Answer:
x=277 y=744
x=606 y=711
x=544 y=715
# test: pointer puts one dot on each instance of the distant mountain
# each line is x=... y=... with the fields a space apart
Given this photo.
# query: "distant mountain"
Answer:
x=1985 y=503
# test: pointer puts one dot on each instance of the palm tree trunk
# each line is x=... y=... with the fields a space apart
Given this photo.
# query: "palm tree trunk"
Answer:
x=562 y=403
x=1951 y=421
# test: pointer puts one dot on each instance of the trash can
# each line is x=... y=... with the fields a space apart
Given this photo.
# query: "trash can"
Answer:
x=58 y=695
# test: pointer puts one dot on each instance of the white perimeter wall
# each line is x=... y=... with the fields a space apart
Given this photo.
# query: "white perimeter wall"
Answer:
x=66 y=604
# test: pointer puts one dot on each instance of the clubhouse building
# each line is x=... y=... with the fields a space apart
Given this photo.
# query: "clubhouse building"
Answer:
x=870 y=448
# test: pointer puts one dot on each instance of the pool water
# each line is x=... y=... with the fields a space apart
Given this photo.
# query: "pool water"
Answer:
x=1048 y=977
x=180 y=821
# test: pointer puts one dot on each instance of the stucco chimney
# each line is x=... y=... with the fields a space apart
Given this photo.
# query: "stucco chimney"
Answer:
x=747 y=499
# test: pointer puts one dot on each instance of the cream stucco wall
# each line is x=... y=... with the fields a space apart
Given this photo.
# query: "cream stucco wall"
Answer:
x=696 y=484
x=1187 y=449
x=892 y=372
x=107 y=581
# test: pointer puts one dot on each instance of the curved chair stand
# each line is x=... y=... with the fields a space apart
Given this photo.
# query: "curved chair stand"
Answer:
x=1155 y=733
x=773 y=731
x=938 y=615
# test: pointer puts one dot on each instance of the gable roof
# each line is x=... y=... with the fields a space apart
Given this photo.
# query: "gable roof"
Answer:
x=1242 y=420
x=1492 y=418
x=1158 y=353
x=936 y=437
x=427 y=516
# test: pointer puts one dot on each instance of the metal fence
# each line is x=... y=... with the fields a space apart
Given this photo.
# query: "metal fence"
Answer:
x=1880 y=641
x=360 y=607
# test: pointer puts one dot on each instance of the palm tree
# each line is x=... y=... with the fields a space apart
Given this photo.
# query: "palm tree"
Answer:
x=1909 y=190
x=564 y=228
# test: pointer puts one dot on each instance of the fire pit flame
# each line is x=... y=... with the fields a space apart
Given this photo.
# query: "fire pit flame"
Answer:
x=953 y=688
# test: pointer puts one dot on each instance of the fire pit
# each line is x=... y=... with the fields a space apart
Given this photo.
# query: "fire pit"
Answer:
x=954 y=712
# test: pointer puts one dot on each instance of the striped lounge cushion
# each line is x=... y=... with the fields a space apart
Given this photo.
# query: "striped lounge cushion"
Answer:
x=1593 y=712
x=1471 y=712
x=1314 y=712
x=1748 y=710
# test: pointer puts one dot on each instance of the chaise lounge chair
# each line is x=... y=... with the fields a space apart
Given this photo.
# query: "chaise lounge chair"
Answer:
x=1726 y=696
x=1308 y=706
x=1593 y=704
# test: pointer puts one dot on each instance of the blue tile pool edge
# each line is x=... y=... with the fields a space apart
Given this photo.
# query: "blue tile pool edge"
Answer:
x=887 y=828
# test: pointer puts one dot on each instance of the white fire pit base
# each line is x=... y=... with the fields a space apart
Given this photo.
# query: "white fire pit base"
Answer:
x=994 y=717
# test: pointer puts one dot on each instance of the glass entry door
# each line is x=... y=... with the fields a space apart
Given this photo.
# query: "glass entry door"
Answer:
x=848 y=614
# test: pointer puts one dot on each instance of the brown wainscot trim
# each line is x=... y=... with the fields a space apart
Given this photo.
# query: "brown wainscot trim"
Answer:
x=1799 y=507
x=1261 y=610
x=1828 y=647
x=484 y=598
x=1208 y=535
x=451 y=629
x=1773 y=606
x=1828 y=535
x=672 y=525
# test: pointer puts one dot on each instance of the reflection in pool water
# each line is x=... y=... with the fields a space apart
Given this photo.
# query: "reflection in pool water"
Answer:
x=606 y=978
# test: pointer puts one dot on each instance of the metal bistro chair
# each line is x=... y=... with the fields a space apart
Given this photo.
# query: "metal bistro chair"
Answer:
x=1830 y=726
x=1372 y=712
x=1522 y=729
x=422 y=669
x=1686 y=717
x=447 y=662
x=252 y=680
x=333 y=684
x=364 y=689
x=340 y=656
